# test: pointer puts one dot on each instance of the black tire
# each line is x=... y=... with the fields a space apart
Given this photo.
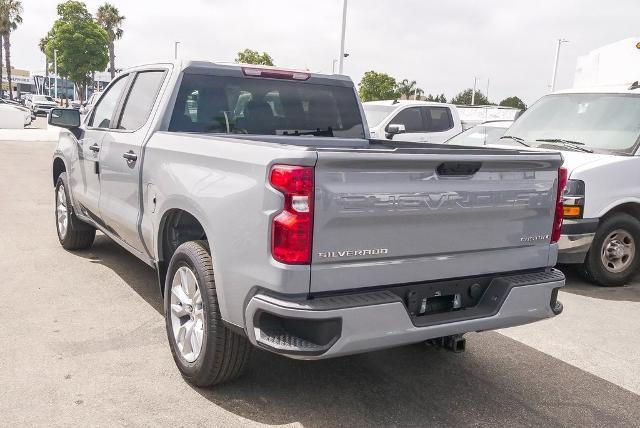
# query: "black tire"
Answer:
x=594 y=268
x=224 y=354
x=78 y=234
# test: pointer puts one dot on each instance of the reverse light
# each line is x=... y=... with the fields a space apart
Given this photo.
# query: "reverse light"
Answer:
x=275 y=73
x=292 y=228
x=559 y=215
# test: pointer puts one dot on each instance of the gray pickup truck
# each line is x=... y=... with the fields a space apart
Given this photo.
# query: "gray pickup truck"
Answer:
x=274 y=221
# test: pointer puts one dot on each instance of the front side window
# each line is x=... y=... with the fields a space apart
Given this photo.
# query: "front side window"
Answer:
x=411 y=118
x=232 y=105
x=598 y=122
x=103 y=112
x=141 y=99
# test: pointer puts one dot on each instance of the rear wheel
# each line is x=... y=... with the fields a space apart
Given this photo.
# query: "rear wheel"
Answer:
x=613 y=258
x=73 y=233
x=203 y=348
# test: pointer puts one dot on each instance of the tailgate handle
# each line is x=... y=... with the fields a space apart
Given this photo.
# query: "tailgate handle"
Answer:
x=458 y=169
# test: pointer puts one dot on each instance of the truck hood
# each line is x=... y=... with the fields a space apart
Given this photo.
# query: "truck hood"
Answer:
x=572 y=159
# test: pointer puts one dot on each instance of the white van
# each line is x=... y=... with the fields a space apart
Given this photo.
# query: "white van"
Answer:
x=415 y=121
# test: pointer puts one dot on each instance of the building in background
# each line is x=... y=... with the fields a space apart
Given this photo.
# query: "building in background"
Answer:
x=21 y=81
x=44 y=84
x=614 y=64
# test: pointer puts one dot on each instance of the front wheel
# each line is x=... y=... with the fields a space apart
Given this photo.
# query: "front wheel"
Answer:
x=203 y=348
x=73 y=234
x=613 y=257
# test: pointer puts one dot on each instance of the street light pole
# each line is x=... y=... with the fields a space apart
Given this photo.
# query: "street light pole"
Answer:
x=555 y=64
x=473 y=94
x=55 y=72
x=175 y=50
x=344 y=28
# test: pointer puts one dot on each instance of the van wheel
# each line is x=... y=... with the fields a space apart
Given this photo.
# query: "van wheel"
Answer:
x=613 y=258
x=204 y=349
x=73 y=233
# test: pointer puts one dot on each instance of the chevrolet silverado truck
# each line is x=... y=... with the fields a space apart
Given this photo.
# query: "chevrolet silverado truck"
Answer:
x=274 y=221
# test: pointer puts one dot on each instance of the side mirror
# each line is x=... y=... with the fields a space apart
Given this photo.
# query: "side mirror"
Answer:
x=64 y=118
x=395 y=128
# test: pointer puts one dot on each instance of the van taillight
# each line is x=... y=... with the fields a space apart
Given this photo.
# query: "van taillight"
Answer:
x=557 y=220
x=292 y=228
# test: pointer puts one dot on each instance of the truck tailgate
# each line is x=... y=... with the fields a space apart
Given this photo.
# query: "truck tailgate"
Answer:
x=394 y=217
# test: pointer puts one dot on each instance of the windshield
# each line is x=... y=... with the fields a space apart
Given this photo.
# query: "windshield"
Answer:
x=480 y=135
x=42 y=98
x=595 y=122
x=232 y=105
x=376 y=113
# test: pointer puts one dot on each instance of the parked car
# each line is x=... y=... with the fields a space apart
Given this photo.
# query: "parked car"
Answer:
x=40 y=104
x=28 y=116
x=277 y=222
x=487 y=133
x=598 y=131
x=414 y=121
x=12 y=117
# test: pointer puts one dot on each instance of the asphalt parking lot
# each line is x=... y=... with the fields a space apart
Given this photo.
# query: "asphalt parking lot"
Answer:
x=83 y=342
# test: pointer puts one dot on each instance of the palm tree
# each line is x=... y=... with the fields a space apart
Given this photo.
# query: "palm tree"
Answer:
x=10 y=11
x=109 y=18
x=409 y=89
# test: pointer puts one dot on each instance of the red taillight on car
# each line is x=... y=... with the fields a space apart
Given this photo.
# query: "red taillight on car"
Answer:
x=292 y=228
x=557 y=220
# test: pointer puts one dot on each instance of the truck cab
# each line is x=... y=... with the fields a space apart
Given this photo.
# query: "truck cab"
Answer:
x=413 y=121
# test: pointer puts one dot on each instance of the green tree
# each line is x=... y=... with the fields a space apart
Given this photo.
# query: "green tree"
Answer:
x=409 y=89
x=441 y=98
x=514 y=102
x=82 y=45
x=109 y=18
x=377 y=86
x=464 y=98
x=249 y=56
x=10 y=18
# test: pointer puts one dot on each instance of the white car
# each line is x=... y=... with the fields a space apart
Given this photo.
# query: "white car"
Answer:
x=41 y=104
x=598 y=132
x=28 y=117
x=487 y=133
x=414 y=121
x=13 y=118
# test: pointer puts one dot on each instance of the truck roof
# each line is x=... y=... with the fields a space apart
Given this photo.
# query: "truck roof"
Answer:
x=185 y=64
x=633 y=88
x=407 y=102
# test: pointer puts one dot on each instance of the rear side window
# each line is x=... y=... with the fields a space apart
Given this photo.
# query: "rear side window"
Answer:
x=438 y=119
x=234 y=105
x=411 y=118
x=140 y=100
x=103 y=112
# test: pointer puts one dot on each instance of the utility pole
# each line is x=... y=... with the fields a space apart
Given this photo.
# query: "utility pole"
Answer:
x=344 y=28
x=473 y=94
x=487 y=94
x=55 y=72
x=333 y=66
x=555 y=64
x=175 y=50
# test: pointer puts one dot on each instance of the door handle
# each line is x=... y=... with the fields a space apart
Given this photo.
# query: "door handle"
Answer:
x=94 y=148
x=130 y=156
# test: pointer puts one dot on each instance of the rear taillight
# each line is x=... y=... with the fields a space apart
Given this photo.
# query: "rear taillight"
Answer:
x=557 y=220
x=292 y=228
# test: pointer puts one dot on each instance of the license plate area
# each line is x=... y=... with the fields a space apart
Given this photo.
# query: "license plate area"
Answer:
x=425 y=300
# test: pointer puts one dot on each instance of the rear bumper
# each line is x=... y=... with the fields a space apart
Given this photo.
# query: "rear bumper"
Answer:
x=576 y=239
x=375 y=320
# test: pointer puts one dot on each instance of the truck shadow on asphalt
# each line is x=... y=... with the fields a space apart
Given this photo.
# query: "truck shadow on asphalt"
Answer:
x=576 y=284
x=498 y=381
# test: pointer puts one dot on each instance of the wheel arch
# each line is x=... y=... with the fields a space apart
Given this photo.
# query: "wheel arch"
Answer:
x=177 y=225
x=630 y=207
x=58 y=167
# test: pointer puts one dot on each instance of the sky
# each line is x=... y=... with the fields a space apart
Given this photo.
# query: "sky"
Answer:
x=442 y=45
